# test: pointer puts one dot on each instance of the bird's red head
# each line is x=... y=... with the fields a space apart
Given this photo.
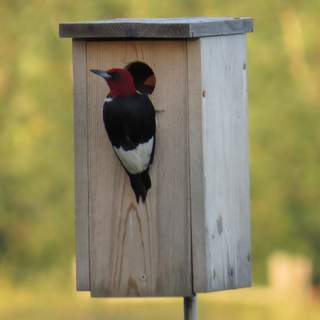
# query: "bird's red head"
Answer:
x=120 y=81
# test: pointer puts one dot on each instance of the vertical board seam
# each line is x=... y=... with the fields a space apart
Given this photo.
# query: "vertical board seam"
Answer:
x=189 y=173
x=203 y=150
x=246 y=101
x=88 y=174
x=81 y=166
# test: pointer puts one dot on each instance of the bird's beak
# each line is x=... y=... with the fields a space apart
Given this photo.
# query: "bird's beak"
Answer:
x=103 y=74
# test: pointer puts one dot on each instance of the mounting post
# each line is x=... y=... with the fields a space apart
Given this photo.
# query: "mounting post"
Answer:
x=190 y=308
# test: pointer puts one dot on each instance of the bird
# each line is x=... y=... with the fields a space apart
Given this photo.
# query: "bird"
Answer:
x=130 y=122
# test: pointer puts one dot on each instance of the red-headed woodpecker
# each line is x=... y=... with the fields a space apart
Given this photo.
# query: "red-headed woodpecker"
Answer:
x=129 y=119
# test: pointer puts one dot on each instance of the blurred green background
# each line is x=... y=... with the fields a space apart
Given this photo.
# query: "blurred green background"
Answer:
x=36 y=156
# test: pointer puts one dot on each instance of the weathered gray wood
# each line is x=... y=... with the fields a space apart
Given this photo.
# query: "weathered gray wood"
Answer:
x=190 y=305
x=81 y=164
x=140 y=250
x=175 y=28
x=196 y=162
x=226 y=222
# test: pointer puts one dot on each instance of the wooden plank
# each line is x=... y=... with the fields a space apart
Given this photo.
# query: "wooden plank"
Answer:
x=226 y=225
x=81 y=164
x=174 y=28
x=140 y=250
x=195 y=161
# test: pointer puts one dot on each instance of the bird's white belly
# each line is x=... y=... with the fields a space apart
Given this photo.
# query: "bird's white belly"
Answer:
x=136 y=160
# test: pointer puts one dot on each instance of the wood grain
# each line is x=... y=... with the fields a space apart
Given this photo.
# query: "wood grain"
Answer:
x=171 y=28
x=226 y=228
x=196 y=163
x=81 y=164
x=140 y=250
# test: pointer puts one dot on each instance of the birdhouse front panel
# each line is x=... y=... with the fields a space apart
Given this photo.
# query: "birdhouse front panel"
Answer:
x=139 y=249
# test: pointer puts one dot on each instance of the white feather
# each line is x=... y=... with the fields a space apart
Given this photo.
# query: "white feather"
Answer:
x=136 y=160
x=108 y=99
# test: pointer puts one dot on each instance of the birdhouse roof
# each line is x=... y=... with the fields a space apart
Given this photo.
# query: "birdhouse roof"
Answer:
x=169 y=28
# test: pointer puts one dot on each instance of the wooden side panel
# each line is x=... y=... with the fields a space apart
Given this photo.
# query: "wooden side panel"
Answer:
x=226 y=223
x=140 y=250
x=81 y=164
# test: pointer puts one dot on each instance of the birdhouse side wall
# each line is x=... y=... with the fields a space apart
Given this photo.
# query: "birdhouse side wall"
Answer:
x=219 y=172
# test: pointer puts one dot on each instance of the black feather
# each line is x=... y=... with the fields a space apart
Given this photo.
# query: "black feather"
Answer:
x=140 y=184
x=130 y=121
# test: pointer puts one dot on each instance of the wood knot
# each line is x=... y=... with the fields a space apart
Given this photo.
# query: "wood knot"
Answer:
x=143 y=277
x=219 y=224
x=214 y=274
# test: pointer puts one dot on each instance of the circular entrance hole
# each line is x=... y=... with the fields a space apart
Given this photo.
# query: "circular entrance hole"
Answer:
x=143 y=76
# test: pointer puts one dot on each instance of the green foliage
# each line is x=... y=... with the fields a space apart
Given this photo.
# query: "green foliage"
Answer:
x=36 y=146
x=51 y=303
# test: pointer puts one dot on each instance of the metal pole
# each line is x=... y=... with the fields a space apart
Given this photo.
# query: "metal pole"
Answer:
x=190 y=308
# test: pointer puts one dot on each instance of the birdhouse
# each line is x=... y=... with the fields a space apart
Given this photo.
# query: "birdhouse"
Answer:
x=192 y=234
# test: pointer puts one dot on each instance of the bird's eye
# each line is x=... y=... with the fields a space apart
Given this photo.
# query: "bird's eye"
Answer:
x=115 y=75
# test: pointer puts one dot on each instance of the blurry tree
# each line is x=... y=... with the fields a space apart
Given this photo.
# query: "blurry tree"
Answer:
x=36 y=146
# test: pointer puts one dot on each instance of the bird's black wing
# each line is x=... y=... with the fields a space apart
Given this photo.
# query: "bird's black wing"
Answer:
x=130 y=124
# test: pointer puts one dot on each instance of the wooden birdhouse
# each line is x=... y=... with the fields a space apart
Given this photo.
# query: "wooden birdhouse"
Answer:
x=193 y=232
